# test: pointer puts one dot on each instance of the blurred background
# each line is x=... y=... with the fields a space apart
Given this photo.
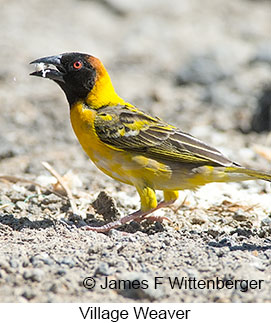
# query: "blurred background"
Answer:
x=203 y=65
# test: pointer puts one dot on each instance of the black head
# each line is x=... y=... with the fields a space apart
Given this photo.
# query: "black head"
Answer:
x=75 y=73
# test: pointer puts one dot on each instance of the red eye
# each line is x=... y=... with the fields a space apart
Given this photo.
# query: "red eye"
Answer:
x=77 y=65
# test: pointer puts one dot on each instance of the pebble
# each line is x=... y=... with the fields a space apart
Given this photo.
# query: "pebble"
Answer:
x=266 y=221
x=94 y=248
x=199 y=217
x=13 y=263
x=7 y=149
x=214 y=233
x=61 y=272
x=50 y=199
x=68 y=261
x=240 y=215
x=149 y=293
x=102 y=269
x=53 y=288
x=5 y=266
x=263 y=53
x=201 y=69
x=42 y=258
x=105 y=205
x=261 y=118
x=35 y=275
x=191 y=273
x=225 y=242
x=29 y=294
x=221 y=95
x=21 y=205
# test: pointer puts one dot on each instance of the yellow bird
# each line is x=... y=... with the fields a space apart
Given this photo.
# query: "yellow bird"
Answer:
x=130 y=145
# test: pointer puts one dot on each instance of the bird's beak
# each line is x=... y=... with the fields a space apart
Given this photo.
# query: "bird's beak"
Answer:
x=49 y=67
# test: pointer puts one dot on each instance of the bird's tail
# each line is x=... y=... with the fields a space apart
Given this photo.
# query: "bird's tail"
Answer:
x=243 y=174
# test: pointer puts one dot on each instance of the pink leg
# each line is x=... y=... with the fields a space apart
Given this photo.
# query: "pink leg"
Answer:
x=156 y=218
x=118 y=223
x=137 y=216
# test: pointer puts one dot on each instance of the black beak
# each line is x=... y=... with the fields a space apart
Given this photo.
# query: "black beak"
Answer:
x=43 y=68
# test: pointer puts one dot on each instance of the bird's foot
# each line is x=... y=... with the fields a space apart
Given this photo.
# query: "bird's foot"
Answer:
x=116 y=224
x=136 y=216
x=156 y=218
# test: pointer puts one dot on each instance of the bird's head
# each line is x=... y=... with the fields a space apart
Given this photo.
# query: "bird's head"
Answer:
x=81 y=77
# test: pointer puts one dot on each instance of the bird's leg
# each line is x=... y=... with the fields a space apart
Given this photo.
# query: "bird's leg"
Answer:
x=147 y=195
x=155 y=218
x=117 y=223
x=136 y=216
x=169 y=198
x=148 y=205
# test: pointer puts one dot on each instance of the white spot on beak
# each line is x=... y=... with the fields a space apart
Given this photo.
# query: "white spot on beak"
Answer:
x=42 y=67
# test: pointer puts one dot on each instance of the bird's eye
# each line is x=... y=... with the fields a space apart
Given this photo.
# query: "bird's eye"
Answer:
x=77 y=65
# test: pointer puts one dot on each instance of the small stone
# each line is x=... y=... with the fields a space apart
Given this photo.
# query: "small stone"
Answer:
x=42 y=258
x=68 y=261
x=244 y=232
x=13 y=263
x=197 y=220
x=202 y=69
x=29 y=294
x=3 y=274
x=102 y=269
x=5 y=266
x=21 y=205
x=266 y=221
x=53 y=288
x=35 y=275
x=25 y=263
x=191 y=273
x=16 y=196
x=7 y=149
x=261 y=119
x=142 y=287
x=263 y=54
x=61 y=272
x=50 y=199
x=225 y=242
x=106 y=206
x=199 y=217
x=220 y=253
x=240 y=215
x=222 y=96
x=213 y=233
x=94 y=248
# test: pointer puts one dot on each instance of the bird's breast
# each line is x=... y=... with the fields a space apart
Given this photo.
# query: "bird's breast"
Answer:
x=127 y=167
x=107 y=159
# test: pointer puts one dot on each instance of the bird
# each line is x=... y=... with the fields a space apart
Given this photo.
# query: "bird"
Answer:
x=130 y=145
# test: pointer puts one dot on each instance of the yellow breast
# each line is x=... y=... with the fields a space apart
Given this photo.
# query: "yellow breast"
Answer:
x=121 y=165
x=82 y=120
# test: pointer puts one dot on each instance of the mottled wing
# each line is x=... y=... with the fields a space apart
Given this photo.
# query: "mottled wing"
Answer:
x=129 y=129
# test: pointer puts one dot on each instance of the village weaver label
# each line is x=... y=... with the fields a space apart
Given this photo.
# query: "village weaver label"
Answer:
x=137 y=312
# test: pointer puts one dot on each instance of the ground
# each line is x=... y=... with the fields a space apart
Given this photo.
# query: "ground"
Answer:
x=202 y=67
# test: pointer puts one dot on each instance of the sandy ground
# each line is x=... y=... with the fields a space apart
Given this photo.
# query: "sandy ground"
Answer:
x=202 y=67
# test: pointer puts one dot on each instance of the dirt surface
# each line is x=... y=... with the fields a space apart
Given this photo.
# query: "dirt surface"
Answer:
x=202 y=67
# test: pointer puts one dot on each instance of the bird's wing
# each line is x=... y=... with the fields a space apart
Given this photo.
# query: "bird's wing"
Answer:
x=129 y=129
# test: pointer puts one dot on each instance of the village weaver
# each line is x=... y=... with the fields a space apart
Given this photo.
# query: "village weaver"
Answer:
x=130 y=145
